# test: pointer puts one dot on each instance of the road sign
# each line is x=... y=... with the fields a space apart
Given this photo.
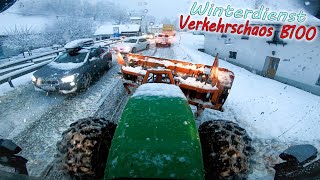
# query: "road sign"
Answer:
x=116 y=32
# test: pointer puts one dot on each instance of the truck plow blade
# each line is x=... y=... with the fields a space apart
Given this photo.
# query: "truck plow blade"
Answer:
x=204 y=86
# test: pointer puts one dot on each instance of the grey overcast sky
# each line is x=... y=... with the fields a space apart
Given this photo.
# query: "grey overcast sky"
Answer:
x=158 y=8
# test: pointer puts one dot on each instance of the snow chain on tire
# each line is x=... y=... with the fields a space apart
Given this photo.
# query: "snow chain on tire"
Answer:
x=226 y=149
x=84 y=148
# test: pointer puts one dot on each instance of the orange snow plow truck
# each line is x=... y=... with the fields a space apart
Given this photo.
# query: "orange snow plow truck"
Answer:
x=204 y=86
x=168 y=29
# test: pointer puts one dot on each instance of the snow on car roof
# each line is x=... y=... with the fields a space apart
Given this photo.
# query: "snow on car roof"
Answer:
x=108 y=29
x=136 y=37
x=159 y=89
x=135 y=18
x=156 y=26
x=78 y=43
x=65 y=66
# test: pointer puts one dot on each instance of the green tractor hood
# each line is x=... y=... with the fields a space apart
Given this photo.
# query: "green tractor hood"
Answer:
x=156 y=137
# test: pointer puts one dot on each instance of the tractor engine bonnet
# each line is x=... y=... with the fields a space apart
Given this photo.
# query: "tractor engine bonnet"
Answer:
x=156 y=137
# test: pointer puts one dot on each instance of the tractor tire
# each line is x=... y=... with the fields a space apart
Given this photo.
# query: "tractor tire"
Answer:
x=84 y=148
x=226 y=150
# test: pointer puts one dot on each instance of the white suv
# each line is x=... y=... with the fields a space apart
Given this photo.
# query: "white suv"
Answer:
x=133 y=45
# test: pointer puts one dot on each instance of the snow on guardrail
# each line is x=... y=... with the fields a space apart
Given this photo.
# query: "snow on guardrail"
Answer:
x=10 y=76
x=11 y=63
x=14 y=69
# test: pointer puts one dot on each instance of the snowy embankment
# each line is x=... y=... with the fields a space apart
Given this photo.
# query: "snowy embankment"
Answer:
x=274 y=114
x=269 y=109
x=23 y=80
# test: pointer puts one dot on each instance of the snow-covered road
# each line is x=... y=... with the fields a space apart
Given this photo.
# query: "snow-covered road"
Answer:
x=20 y=107
x=36 y=121
x=39 y=140
x=274 y=114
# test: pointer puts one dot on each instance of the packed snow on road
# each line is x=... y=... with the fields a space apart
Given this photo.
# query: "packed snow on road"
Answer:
x=274 y=114
x=264 y=114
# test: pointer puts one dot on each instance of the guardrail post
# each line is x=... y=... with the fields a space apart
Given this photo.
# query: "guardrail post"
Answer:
x=10 y=82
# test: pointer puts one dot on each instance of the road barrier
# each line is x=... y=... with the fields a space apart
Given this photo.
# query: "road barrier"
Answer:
x=16 y=68
x=23 y=60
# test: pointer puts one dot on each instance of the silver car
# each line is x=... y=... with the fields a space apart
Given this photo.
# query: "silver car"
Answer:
x=133 y=45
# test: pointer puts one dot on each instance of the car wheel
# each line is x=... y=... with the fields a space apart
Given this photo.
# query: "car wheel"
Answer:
x=84 y=147
x=109 y=65
x=147 y=47
x=85 y=81
x=134 y=50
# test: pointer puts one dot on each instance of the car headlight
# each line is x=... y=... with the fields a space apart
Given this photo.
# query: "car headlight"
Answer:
x=34 y=79
x=68 y=79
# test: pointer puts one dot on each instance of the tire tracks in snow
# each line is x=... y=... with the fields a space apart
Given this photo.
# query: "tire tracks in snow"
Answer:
x=19 y=109
x=108 y=109
x=39 y=140
x=106 y=98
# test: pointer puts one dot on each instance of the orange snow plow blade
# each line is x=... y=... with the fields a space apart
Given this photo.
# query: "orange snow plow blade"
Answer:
x=204 y=86
x=120 y=59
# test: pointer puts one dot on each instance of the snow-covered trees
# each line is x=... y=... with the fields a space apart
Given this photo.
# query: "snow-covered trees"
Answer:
x=23 y=39
x=121 y=17
x=97 y=10
x=67 y=20
x=66 y=29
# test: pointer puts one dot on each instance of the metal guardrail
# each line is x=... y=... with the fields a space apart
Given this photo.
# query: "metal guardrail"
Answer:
x=10 y=63
x=10 y=76
x=25 y=64
x=16 y=68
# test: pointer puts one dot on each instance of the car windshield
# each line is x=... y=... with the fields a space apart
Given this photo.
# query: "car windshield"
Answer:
x=71 y=57
x=131 y=41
